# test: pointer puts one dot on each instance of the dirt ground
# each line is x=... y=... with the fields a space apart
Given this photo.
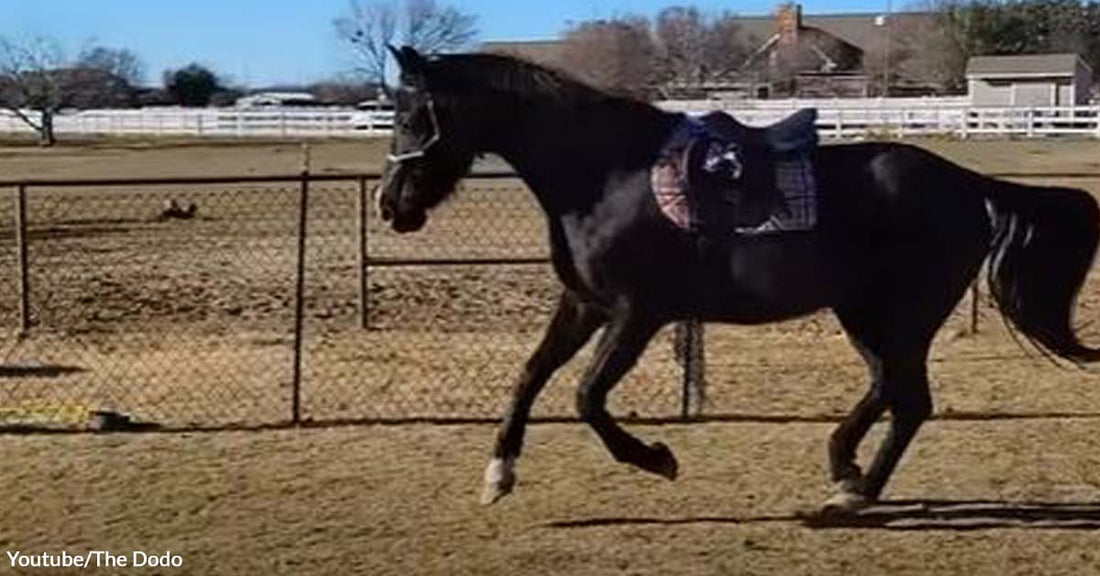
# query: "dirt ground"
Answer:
x=176 y=323
x=972 y=498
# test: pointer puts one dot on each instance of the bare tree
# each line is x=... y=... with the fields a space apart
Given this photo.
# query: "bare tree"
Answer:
x=698 y=48
x=617 y=55
x=36 y=81
x=727 y=47
x=425 y=25
x=31 y=83
x=960 y=29
x=368 y=30
x=937 y=47
x=120 y=62
x=682 y=33
x=431 y=28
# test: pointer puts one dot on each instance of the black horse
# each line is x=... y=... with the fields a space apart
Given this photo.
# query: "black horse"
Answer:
x=901 y=234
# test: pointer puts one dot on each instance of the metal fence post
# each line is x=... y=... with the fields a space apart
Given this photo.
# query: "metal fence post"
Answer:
x=364 y=255
x=975 y=294
x=299 y=291
x=688 y=343
x=21 y=248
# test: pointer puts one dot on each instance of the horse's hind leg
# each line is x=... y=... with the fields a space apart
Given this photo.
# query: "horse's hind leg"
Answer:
x=906 y=392
x=900 y=384
x=622 y=343
x=847 y=436
x=571 y=327
x=895 y=348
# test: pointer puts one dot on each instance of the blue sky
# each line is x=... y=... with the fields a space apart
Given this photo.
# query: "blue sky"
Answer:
x=258 y=42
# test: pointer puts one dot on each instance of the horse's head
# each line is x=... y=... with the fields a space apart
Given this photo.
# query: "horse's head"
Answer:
x=433 y=145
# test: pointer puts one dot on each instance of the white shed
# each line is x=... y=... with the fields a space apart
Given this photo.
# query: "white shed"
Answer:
x=1039 y=80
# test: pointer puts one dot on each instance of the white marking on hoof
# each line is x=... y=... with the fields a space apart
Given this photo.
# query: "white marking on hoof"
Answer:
x=846 y=500
x=377 y=193
x=500 y=478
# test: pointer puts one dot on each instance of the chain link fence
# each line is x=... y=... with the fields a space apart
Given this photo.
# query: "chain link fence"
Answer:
x=207 y=303
x=267 y=301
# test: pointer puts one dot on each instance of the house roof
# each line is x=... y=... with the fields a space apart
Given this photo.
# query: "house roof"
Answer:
x=817 y=50
x=1034 y=64
x=858 y=29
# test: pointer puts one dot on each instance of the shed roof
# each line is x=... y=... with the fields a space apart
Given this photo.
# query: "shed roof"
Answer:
x=1028 y=65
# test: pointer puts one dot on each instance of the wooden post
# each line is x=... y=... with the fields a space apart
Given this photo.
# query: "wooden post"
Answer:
x=299 y=291
x=1096 y=118
x=364 y=255
x=21 y=248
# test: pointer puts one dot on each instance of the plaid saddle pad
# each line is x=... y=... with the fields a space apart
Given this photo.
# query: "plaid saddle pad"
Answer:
x=692 y=207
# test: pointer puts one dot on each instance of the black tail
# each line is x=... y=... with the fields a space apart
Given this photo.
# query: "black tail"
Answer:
x=1043 y=245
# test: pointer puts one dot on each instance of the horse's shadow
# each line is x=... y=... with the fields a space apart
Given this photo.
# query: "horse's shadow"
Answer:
x=45 y=371
x=902 y=515
x=963 y=515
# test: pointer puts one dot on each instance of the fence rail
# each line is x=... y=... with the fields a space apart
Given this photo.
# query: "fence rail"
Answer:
x=837 y=119
x=210 y=122
x=281 y=300
x=856 y=122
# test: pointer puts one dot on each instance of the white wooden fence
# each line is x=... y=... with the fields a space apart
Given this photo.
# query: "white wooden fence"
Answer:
x=856 y=118
x=960 y=122
x=822 y=103
x=209 y=122
x=837 y=119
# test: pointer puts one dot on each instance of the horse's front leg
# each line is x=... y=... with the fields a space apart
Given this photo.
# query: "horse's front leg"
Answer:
x=622 y=343
x=569 y=330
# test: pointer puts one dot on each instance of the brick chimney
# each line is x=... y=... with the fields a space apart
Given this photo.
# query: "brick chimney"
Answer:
x=788 y=21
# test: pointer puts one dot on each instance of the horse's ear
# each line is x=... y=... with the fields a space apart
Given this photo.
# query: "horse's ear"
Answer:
x=414 y=67
x=397 y=55
x=413 y=61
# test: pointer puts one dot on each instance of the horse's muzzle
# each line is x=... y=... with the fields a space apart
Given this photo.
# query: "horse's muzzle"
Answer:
x=409 y=222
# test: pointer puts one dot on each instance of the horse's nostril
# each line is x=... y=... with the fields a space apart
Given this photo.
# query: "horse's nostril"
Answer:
x=385 y=212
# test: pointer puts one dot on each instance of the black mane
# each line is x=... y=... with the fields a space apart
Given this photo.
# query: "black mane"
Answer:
x=516 y=77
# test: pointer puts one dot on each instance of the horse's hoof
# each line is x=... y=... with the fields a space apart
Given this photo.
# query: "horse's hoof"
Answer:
x=500 y=479
x=493 y=492
x=663 y=462
x=845 y=503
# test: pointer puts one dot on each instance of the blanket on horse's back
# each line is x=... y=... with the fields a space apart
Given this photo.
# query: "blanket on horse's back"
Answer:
x=716 y=176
